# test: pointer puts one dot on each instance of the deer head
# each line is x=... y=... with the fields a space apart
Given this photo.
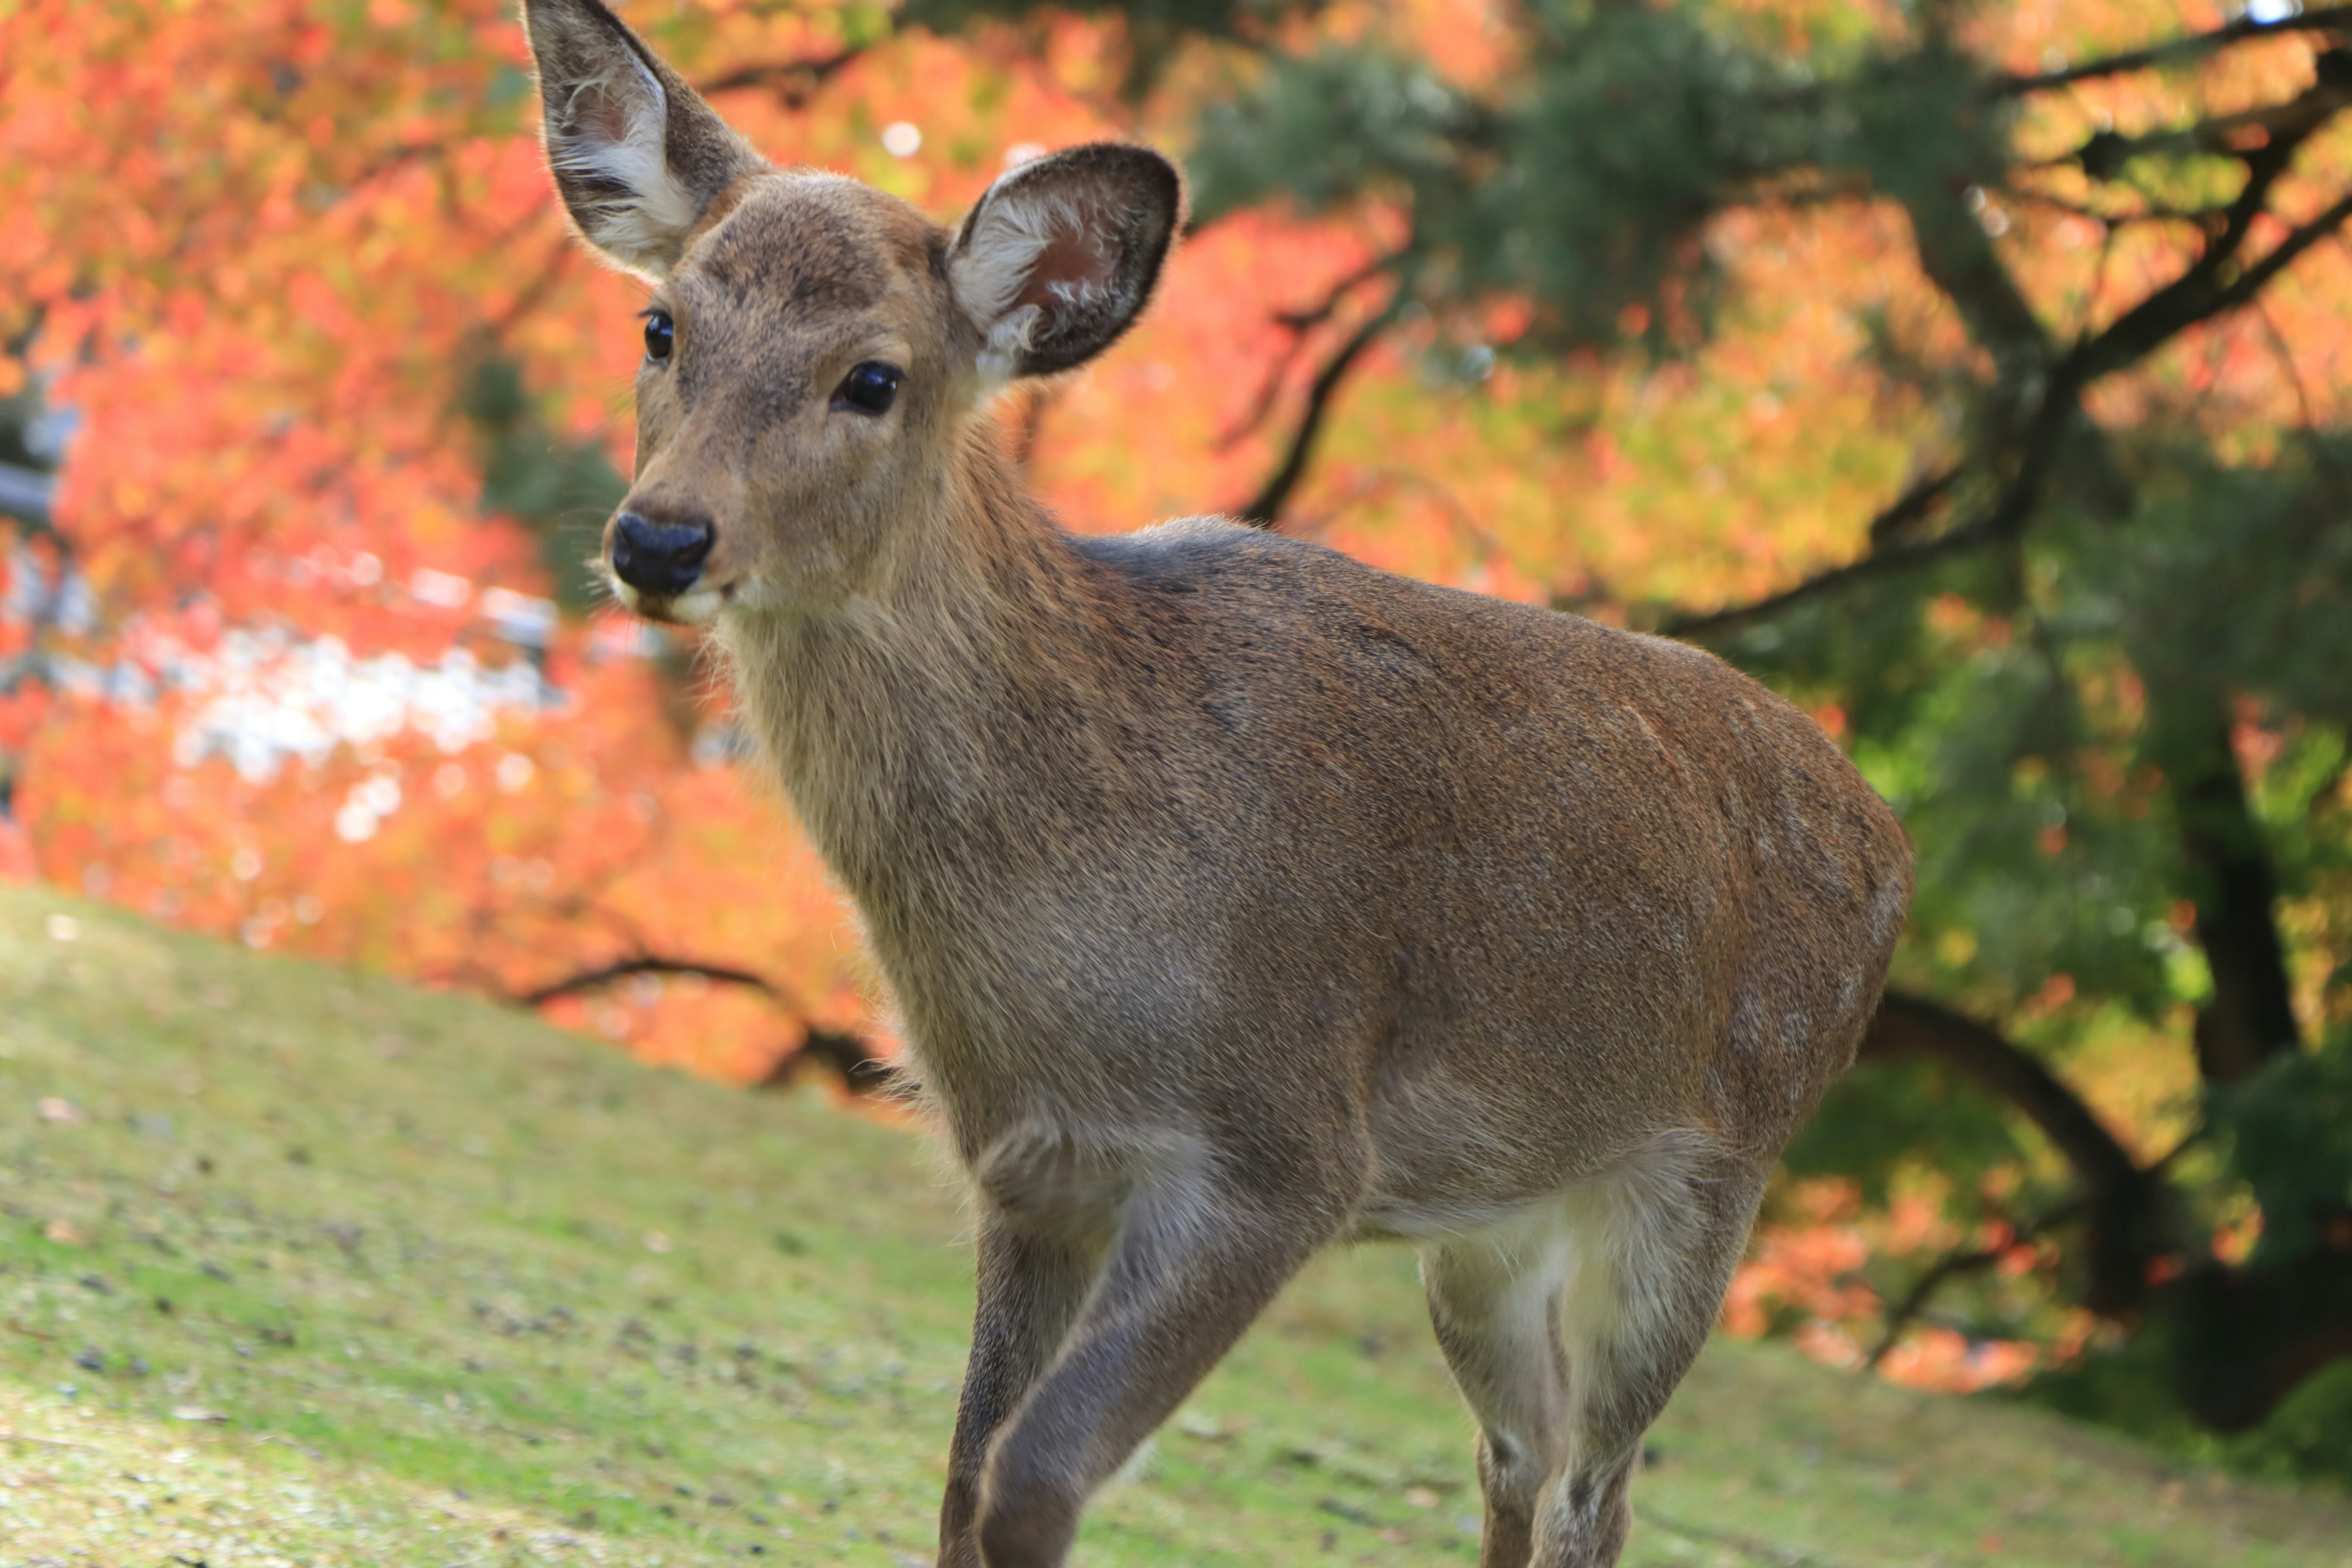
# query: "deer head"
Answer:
x=816 y=351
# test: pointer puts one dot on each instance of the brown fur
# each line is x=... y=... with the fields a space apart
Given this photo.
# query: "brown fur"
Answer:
x=1238 y=897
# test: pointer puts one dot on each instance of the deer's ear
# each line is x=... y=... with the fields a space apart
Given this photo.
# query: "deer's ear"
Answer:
x=636 y=155
x=1060 y=256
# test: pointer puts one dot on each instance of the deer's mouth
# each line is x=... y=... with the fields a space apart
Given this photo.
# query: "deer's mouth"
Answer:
x=697 y=605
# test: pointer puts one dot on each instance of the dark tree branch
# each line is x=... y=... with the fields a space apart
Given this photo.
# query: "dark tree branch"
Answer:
x=795 y=80
x=534 y=293
x=611 y=973
x=2237 y=135
x=1959 y=258
x=1908 y=509
x=2249 y=1336
x=1315 y=315
x=2203 y=218
x=1908 y=1025
x=2323 y=18
x=1951 y=1267
x=2034 y=409
x=1877 y=563
x=2124 y=1202
x=1913 y=506
x=846 y=1055
x=2216 y=284
x=2215 y=281
x=1298 y=323
x=1266 y=509
x=2212 y=288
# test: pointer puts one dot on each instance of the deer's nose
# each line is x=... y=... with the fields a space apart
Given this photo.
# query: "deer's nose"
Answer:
x=663 y=558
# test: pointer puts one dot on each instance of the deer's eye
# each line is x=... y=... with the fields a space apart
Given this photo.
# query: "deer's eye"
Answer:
x=661 y=334
x=870 y=388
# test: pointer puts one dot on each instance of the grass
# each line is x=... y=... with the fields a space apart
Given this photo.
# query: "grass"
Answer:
x=297 y=1265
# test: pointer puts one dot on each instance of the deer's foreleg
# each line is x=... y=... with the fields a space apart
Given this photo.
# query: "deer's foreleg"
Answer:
x=1031 y=1283
x=1194 y=1261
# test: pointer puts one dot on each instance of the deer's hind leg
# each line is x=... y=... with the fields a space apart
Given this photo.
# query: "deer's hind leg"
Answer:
x=1496 y=1300
x=1655 y=1241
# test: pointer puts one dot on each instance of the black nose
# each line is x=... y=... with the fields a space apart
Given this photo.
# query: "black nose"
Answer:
x=662 y=558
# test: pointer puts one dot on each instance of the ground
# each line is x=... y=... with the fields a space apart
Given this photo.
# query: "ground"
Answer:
x=297 y=1265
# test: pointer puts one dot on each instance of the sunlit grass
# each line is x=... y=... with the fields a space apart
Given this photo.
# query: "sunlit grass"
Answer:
x=297 y=1265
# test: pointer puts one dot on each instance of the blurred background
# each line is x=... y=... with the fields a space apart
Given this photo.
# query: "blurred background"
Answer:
x=1978 y=375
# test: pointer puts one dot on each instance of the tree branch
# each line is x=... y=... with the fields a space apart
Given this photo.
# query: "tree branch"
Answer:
x=2104 y=154
x=794 y=80
x=1908 y=507
x=2145 y=211
x=1909 y=1026
x=2125 y=1203
x=1266 y=509
x=2249 y=1336
x=1951 y=1267
x=1913 y=505
x=848 y=1055
x=626 y=968
x=2214 y=286
x=2324 y=18
x=1298 y=323
x=2198 y=295
x=1878 y=564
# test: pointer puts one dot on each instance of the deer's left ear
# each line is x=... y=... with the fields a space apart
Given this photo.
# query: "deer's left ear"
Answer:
x=638 y=156
x=1060 y=256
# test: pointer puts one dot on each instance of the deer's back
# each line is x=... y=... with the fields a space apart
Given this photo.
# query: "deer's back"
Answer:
x=1527 y=867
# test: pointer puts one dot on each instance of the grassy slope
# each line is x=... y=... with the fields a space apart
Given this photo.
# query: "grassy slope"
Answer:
x=466 y=1290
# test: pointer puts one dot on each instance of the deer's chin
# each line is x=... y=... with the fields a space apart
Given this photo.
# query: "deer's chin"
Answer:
x=695 y=607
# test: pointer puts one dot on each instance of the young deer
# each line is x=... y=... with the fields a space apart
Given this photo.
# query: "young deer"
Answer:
x=1237 y=899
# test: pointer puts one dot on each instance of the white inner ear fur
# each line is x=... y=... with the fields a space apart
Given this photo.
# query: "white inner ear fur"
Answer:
x=616 y=128
x=999 y=264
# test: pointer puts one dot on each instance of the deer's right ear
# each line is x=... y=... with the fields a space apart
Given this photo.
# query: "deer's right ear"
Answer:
x=636 y=155
x=1060 y=256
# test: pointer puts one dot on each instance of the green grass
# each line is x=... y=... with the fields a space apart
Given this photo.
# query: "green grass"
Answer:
x=319 y=1269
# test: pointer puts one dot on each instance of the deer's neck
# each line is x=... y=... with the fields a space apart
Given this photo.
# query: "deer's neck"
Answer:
x=926 y=731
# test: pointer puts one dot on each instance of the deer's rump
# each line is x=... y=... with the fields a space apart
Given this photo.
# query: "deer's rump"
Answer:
x=1553 y=877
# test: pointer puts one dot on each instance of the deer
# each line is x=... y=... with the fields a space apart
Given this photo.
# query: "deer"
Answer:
x=1235 y=899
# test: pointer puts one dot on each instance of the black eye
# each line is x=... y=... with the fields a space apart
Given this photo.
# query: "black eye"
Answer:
x=660 y=333
x=870 y=388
